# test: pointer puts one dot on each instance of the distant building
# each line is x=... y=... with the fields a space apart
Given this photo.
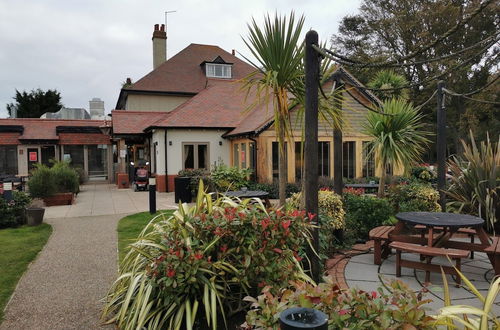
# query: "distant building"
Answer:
x=96 y=108
x=67 y=113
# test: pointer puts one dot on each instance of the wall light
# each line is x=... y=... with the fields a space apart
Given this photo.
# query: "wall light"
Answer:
x=169 y=143
x=220 y=143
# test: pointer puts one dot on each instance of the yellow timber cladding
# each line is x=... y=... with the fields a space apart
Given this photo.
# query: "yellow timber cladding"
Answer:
x=356 y=163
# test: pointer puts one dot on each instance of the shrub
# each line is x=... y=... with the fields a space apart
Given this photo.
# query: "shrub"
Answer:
x=42 y=183
x=364 y=213
x=423 y=173
x=12 y=213
x=400 y=308
x=65 y=177
x=227 y=178
x=475 y=187
x=414 y=197
x=273 y=189
x=195 y=176
x=210 y=254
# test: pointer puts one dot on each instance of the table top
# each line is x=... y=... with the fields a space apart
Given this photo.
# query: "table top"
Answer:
x=247 y=193
x=362 y=185
x=439 y=219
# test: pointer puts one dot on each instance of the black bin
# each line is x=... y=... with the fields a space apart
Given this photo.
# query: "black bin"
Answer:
x=182 y=189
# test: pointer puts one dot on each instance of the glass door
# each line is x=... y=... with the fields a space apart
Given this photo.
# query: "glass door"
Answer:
x=98 y=162
x=48 y=153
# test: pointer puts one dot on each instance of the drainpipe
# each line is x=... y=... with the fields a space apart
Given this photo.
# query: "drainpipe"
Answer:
x=166 y=163
x=255 y=157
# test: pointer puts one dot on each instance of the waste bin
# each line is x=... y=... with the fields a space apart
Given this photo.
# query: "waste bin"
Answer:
x=182 y=189
x=303 y=318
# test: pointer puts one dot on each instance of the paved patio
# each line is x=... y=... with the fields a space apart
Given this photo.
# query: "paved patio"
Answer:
x=357 y=270
x=106 y=199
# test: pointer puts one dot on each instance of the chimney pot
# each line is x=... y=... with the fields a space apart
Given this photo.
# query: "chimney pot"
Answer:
x=129 y=81
x=233 y=52
x=156 y=27
x=162 y=28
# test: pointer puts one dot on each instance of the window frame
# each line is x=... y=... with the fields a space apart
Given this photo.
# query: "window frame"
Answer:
x=195 y=154
x=226 y=70
x=15 y=160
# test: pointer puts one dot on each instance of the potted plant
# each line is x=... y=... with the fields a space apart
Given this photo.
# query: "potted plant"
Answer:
x=35 y=212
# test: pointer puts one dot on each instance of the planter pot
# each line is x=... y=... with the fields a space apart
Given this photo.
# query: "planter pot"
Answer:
x=59 y=199
x=34 y=215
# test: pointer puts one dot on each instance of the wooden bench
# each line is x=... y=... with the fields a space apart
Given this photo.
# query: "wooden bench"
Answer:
x=380 y=237
x=494 y=249
x=430 y=252
x=471 y=232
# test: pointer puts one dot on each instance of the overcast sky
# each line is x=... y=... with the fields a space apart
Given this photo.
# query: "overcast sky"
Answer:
x=86 y=49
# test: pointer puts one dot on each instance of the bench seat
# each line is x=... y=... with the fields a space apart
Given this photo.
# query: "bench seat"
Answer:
x=471 y=232
x=428 y=251
x=494 y=249
x=380 y=237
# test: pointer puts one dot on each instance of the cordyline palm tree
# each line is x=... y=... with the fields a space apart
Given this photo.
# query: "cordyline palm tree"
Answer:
x=280 y=76
x=390 y=80
x=398 y=136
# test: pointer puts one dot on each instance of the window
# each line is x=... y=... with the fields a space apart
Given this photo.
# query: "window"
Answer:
x=251 y=158
x=349 y=159
x=275 y=159
x=368 y=161
x=323 y=159
x=236 y=155
x=243 y=155
x=195 y=155
x=218 y=70
x=8 y=160
x=74 y=154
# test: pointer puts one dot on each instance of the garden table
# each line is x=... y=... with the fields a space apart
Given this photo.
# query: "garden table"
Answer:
x=449 y=224
x=251 y=194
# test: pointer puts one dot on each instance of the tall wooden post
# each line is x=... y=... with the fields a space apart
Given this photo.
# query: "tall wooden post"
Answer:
x=311 y=144
x=441 y=145
x=338 y=182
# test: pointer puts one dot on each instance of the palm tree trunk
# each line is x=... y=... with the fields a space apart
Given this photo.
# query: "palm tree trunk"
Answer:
x=282 y=168
x=381 y=184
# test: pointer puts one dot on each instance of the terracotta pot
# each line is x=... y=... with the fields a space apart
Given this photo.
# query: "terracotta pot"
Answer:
x=59 y=199
x=34 y=216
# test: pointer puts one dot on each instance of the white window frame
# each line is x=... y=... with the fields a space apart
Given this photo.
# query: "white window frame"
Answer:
x=225 y=70
x=195 y=153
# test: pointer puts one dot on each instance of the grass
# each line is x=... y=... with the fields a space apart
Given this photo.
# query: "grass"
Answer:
x=19 y=247
x=130 y=227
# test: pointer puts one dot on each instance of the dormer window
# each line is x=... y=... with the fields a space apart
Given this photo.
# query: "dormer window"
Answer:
x=217 y=68
x=214 y=70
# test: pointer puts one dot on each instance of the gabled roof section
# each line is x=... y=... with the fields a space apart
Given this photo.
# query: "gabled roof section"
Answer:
x=134 y=122
x=182 y=73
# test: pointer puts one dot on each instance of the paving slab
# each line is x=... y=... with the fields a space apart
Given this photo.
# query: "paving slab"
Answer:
x=107 y=199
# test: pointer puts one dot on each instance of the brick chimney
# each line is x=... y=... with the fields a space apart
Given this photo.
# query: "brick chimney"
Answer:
x=159 y=45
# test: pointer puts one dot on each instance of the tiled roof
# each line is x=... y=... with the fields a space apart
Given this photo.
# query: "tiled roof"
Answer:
x=134 y=122
x=9 y=138
x=45 y=129
x=182 y=73
x=222 y=104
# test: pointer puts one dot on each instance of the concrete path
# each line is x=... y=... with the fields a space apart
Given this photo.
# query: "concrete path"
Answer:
x=362 y=273
x=63 y=288
x=106 y=199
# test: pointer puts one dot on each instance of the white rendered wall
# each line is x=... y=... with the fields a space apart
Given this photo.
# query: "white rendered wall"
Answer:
x=217 y=153
x=159 y=139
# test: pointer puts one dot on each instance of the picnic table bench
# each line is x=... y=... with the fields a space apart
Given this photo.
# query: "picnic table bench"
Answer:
x=428 y=251
x=494 y=251
x=380 y=237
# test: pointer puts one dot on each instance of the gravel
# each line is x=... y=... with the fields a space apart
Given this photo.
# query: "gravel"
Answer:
x=64 y=287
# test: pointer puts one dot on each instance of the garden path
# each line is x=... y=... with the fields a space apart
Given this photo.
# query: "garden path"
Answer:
x=64 y=287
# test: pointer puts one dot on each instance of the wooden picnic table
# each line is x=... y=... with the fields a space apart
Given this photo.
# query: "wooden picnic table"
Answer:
x=251 y=194
x=440 y=229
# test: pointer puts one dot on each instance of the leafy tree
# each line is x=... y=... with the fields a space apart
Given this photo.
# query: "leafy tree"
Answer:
x=398 y=137
x=390 y=80
x=35 y=103
x=390 y=30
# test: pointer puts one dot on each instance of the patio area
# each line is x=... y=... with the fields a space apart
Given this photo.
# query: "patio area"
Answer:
x=357 y=269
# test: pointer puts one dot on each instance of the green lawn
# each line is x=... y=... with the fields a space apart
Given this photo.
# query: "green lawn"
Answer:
x=130 y=227
x=18 y=247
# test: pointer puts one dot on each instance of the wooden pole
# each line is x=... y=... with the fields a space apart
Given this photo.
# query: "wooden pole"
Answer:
x=338 y=182
x=441 y=145
x=311 y=145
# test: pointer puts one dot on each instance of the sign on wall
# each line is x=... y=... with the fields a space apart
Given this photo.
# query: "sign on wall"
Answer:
x=33 y=156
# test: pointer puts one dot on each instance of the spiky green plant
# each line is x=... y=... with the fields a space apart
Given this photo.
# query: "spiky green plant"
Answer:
x=470 y=317
x=392 y=82
x=475 y=180
x=398 y=136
